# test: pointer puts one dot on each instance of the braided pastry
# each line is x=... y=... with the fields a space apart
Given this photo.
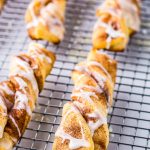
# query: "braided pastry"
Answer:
x=19 y=93
x=45 y=20
x=84 y=122
x=117 y=20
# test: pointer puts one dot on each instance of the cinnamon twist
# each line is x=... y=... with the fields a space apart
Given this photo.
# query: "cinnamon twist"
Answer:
x=117 y=21
x=19 y=93
x=45 y=20
x=84 y=119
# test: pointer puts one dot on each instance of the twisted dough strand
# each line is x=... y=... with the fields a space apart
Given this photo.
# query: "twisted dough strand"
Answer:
x=19 y=93
x=84 y=119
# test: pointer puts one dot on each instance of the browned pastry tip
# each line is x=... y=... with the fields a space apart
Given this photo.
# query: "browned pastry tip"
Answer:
x=45 y=20
x=73 y=132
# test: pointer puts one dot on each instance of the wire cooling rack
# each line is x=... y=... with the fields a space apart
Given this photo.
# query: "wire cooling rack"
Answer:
x=129 y=119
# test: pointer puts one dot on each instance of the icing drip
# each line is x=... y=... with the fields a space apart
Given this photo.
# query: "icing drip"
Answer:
x=4 y=108
x=15 y=124
x=94 y=115
x=106 y=7
x=130 y=12
x=100 y=66
x=96 y=76
x=21 y=82
x=48 y=17
x=41 y=56
x=22 y=102
x=99 y=78
x=100 y=120
x=74 y=142
x=35 y=20
x=97 y=89
x=112 y=33
x=85 y=95
x=53 y=21
x=6 y=88
x=80 y=77
x=27 y=73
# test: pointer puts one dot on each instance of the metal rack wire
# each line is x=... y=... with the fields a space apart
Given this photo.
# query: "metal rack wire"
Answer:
x=129 y=119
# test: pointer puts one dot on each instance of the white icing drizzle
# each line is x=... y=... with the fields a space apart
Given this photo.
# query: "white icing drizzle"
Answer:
x=106 y=7
x=112 y=33
x=75 y=143
x=97 y=114
x=53 y=21
x=100 y=79
x=27 y=73
x=96 y=76
x=85 y=95
x=35 y=20
x=6 y=88
x=2 y=104
x=21 y=82
x=81 y=76
x=41 y=56
x=94 y=63
x=130 y=12
x=48 y=17
x=22 y=102
x=97 y=89
x=15 y=124
x=100 y=120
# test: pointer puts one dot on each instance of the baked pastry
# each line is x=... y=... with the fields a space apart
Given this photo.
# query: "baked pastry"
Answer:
x=18 y=95
x=84 y=119
x=117 y=20
x=45 y=20
x=129 y=9
x=1 y=4
x=110 y=33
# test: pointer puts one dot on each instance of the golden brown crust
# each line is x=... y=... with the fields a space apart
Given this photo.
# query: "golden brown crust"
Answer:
x=94 y=83
x=73 y=124
x=45 y=20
